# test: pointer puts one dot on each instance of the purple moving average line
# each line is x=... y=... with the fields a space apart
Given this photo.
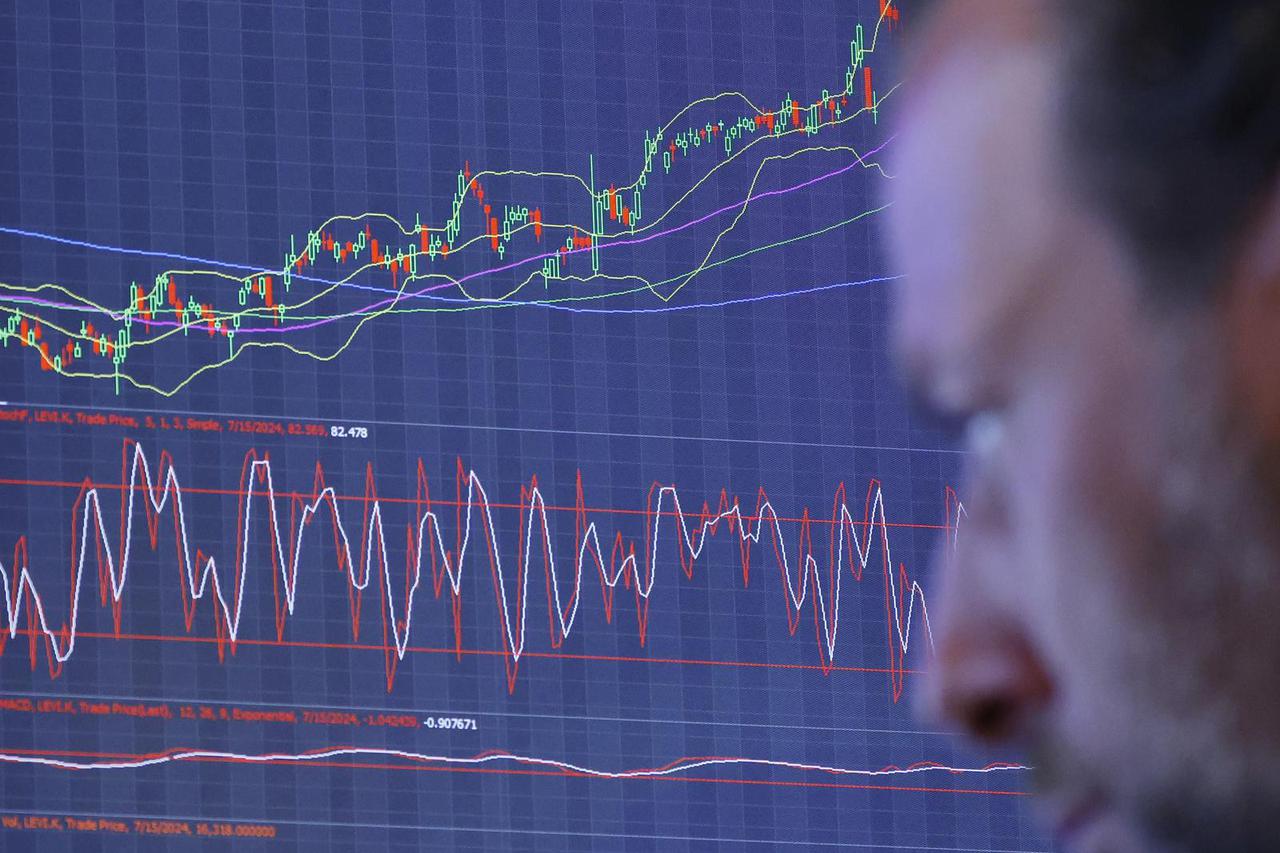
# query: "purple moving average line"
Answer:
x=860 y=161
x=632 y=242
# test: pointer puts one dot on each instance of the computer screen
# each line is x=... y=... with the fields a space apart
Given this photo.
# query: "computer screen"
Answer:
x=465 y=426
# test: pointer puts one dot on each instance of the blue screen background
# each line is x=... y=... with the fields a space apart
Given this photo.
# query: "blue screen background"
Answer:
x=724 y=335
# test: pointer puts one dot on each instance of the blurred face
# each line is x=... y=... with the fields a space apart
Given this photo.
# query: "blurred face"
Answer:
x=1112 y=607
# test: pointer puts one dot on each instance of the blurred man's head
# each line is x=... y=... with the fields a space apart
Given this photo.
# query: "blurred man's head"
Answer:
x=1087 y=210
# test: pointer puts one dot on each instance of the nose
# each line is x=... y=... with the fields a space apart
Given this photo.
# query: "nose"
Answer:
x=989 y=682
x=987 y=678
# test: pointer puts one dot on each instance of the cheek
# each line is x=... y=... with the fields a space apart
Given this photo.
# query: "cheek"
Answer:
x=1084 y=512
x=1076 y=485
x=1097 y=473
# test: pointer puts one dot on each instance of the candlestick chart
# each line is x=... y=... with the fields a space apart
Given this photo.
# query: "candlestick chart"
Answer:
x=466 y=426
x=491 y=247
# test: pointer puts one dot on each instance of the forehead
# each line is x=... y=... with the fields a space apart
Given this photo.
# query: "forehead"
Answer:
x=958 y=24
x=978 y=214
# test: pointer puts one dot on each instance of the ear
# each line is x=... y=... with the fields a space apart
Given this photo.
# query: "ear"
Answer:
x=1259 y=264
x=1252 y=318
